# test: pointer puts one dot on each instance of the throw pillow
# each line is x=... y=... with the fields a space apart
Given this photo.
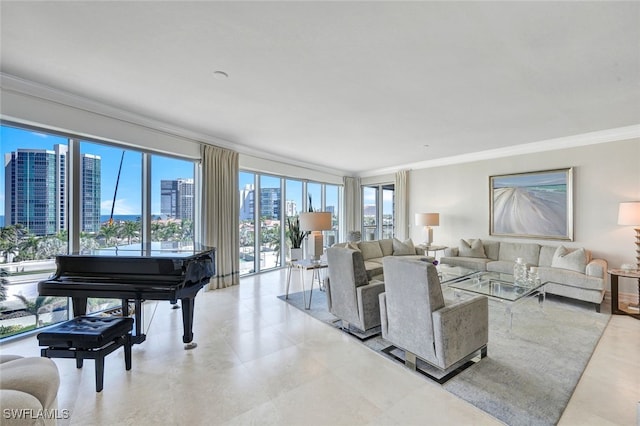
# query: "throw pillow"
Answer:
x=575 y=260
x=370 y=249
x=471 y=248
x=353 y=246
x=403 y=248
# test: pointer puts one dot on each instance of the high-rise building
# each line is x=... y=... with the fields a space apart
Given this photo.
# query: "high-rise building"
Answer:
x=270 y=199
x=270 y=203
x=90 y=190
x=176 y=198
x=247 y=202
x=36 y=190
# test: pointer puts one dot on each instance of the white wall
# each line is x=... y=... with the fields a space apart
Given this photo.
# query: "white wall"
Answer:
x=604 y=175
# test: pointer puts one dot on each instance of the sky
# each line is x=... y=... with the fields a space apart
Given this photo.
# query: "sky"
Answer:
x=128 y=199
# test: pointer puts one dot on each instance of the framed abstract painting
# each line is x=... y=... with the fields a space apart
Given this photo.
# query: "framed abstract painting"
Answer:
x=533 y=204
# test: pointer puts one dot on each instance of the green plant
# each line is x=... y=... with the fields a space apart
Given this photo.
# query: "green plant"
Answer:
x=294 y=233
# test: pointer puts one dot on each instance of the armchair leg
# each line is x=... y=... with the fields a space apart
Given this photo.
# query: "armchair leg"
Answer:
x=410 y=360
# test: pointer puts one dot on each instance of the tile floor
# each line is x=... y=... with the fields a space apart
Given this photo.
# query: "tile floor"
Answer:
x=260 y=361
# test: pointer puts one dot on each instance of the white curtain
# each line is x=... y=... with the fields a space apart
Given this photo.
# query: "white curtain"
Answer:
x=401 y=194
x=220 y=211
x=352 y=205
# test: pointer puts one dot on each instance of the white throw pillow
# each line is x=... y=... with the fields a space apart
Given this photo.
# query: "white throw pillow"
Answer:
x=575 y=260
x=471 y=248
x=403 y=248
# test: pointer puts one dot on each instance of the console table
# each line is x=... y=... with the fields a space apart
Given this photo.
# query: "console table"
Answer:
x=614 y=274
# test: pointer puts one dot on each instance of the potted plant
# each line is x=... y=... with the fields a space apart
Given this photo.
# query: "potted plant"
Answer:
x=295 y=238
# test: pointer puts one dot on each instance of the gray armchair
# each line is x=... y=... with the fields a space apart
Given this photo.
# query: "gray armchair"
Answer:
x=416 y=319
x=350 y=296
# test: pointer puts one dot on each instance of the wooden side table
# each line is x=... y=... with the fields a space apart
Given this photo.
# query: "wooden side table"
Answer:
x=614 y=274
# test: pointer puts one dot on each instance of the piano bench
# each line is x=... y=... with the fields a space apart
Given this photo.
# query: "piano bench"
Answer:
x=88 y=337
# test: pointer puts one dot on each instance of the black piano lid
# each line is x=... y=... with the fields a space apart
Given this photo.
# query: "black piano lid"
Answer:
x=155 y=250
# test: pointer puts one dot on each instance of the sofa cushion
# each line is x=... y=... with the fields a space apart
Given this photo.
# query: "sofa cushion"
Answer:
x=471 y=248
x=546 y=255
x=570 y=278
x=573 y=260
x=475 y=263
x=403 y=248
x=502 y=266
x=373 y=267
x=492 y=249
x=370 y=249
x=527 y=251
x=387 y=246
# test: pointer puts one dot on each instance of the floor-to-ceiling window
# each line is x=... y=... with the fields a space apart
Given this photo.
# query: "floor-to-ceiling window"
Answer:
x=33 y=226
x=275 y=202
x=270 y=217
x=40 y=169
x=247 y=182
x=377 y=212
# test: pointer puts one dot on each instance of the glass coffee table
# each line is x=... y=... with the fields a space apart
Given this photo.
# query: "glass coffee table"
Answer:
x=500 y=287
x=449 y=274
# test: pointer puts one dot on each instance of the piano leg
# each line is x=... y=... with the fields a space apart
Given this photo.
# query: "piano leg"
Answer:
x=79 y=306
x=187 y=322
x=139 y=337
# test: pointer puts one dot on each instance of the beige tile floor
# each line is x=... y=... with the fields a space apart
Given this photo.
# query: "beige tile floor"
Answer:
x=260 y=361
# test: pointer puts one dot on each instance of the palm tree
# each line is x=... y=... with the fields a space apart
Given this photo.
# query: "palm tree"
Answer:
x=35 y=307
x=130 y=229
x=3 y=284
x=10 y=238
x=109 y=232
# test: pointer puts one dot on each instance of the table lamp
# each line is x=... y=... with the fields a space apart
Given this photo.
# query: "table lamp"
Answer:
x=629 y=214
x=428 y=220
x=315 y=222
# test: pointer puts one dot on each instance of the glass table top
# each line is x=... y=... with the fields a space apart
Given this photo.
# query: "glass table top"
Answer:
x=449 y=273
x=495 y=285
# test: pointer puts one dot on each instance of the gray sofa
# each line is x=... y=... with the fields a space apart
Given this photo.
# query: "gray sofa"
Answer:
x=28 y=386
x=570 y=272
x=373 y=252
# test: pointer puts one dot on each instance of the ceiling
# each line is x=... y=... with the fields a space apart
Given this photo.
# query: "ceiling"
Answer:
x=351 y=86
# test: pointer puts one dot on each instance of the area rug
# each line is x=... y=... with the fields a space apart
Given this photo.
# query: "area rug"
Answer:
x=531 y=369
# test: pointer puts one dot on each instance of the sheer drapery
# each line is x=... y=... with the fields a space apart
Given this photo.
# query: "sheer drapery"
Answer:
x=401 y=194
x=352 y=205
x=220 y=205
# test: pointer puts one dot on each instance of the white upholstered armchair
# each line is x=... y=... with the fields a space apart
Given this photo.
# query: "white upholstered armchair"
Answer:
x=416 y=318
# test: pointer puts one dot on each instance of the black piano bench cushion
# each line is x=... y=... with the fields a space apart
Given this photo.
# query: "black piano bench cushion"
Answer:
x=86 y=332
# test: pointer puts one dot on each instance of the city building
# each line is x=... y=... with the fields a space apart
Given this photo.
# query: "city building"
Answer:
x=176 y=198
x=36 y=190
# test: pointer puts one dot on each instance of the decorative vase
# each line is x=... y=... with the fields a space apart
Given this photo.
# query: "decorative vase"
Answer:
x=297 y=254
x=520 y=272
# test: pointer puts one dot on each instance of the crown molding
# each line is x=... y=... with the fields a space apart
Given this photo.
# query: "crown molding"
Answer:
x=11 y=83
x=591 y=138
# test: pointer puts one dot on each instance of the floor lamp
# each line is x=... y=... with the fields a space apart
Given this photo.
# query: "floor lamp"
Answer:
x=428 y=220
x=315 y=222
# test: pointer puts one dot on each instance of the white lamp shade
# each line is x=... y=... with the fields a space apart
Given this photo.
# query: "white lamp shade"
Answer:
x=428 y=219
x=629 y=213
x=315 y=221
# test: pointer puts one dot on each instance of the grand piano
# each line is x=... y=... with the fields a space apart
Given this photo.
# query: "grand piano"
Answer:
x=133 y=273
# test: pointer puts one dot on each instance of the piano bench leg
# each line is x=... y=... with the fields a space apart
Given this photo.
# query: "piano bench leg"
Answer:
x=99 y=372
x=127 y=352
